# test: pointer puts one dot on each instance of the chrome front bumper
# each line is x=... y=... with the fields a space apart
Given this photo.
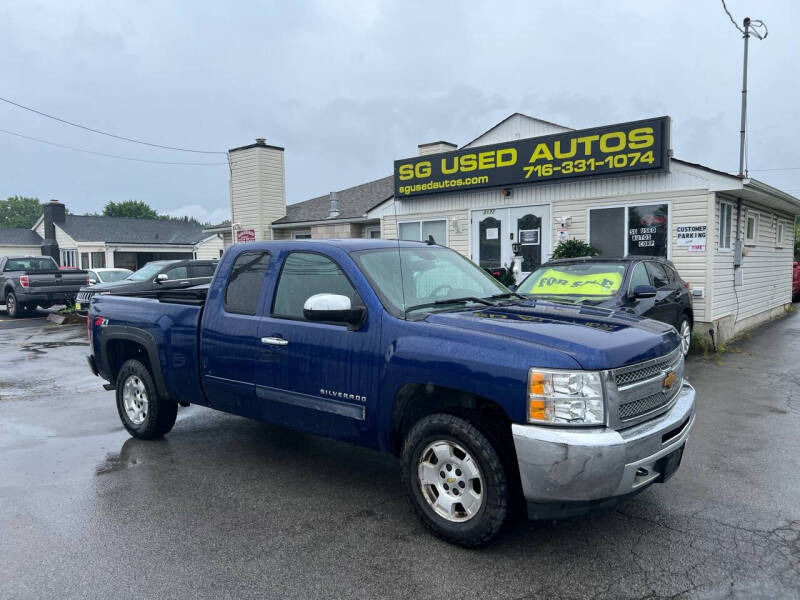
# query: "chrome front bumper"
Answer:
x=583 y=466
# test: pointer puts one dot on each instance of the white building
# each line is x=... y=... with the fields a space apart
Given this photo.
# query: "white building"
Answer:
x=689 y=213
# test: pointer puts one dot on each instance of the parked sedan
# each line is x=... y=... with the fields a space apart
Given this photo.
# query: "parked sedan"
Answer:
x=646 y=285
x=155 y=276
x=796 y=281
x=108 y=275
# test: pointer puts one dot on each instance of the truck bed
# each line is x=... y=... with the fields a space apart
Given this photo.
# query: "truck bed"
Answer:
x=172 y=323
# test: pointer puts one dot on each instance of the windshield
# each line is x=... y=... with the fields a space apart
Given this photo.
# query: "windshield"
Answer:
x=31 y=264
x=578 y=279
x=429 y=275
x=115 y=275
x=148 y=271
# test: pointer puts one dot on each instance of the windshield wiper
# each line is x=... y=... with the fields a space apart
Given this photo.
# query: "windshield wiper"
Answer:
x=508 y=295
x=463 y=300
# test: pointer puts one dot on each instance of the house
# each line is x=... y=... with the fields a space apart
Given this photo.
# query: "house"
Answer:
x=86 y=241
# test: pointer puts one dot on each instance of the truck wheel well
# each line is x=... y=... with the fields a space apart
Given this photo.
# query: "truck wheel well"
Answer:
x=417 y=400
x=118 y=351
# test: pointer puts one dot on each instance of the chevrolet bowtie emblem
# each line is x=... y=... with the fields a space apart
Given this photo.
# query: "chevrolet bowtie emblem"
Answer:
x=669 y=380
x=451 y=480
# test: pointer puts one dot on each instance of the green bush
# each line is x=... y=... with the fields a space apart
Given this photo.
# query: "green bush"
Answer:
x=574 y=249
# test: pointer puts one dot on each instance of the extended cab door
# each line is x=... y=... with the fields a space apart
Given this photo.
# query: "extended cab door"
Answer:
x=325 y=374
x=229 y=339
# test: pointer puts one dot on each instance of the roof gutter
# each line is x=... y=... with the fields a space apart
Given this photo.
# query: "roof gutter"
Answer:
x=764 y=188
x=295 y=224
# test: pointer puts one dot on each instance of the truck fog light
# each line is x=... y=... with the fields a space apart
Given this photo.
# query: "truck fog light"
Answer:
x=565 y=397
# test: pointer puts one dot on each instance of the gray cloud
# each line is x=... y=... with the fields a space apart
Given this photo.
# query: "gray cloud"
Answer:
x=347 y=87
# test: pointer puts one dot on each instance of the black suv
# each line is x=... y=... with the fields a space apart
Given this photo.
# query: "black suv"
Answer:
x=646 y=285
x=155 y=276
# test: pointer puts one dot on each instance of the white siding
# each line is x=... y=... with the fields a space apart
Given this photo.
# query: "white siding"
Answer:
x=766 y=269
x=20 y=250
x=65 y=242
x=209 y=249
x=458 y=227
x=515 y=127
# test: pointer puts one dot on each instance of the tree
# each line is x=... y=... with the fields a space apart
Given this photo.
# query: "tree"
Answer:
x=19 y=211
x=574 y=249
x=130 y=208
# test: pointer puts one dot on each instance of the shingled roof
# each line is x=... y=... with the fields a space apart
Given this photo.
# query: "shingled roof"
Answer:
x=19 y=237
x=354 y=202
x=125 y=230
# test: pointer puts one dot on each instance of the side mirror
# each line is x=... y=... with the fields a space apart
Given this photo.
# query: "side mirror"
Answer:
x=644 y=291
x=161 y=278
x=332 y=308
x=92 y=281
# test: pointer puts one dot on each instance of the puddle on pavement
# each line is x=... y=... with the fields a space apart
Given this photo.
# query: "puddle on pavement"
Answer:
x=113 y=463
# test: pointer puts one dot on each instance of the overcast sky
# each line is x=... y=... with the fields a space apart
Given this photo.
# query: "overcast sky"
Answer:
x=347 y=86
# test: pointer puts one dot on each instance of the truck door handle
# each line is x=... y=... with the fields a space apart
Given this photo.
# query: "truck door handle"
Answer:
x=274 y=341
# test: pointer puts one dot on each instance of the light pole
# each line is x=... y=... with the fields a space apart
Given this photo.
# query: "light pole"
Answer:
x=749 y=27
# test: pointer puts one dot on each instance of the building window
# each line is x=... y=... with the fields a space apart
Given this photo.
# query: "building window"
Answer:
x=420 y=231
x=725 y=225
x=751 y=227
x=638 y=230
x=69 y=258
x=779 y=234
x=373 y=233
x=98 y=260
x=85 y=260
x=301 y=235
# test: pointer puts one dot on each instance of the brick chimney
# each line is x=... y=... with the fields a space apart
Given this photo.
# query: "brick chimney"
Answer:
x=53 y=212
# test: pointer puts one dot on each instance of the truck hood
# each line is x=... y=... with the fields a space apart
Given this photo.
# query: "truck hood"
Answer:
x=596 y=338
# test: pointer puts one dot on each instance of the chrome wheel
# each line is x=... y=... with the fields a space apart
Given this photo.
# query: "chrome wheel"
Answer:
x=134 y=400
x=450 y=481
x=686 y=336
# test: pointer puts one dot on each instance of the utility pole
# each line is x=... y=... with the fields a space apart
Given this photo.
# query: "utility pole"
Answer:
x=744 y=97
x=746 y=32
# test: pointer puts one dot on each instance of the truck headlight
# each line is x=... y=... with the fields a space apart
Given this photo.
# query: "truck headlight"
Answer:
x=565 y=397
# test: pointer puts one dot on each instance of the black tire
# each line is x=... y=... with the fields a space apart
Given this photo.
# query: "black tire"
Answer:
x=160 y=412
x=13 y=309
x=488 y=520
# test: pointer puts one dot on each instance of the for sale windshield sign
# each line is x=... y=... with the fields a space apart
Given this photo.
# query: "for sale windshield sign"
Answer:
x=622 y=149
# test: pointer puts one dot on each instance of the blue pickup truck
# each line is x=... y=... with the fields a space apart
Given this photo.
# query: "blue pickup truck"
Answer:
x=494 y=403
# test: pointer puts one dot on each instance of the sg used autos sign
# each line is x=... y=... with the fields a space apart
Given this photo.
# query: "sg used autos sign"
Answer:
x=626 y=148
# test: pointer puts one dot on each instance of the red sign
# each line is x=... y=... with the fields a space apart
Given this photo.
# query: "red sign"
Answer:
x=245 y=235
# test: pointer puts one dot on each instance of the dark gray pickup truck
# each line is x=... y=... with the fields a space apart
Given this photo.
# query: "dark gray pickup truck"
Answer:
x=31 y=281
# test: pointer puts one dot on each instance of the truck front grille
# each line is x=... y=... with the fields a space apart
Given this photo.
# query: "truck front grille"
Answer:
x=647 y=370
x=84 y=297
x=641 y=387
x=637 y=408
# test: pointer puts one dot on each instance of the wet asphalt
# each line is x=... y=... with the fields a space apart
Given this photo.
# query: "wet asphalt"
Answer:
x=225 y=507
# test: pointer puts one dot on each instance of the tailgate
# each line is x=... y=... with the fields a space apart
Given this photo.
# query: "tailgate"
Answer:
x=57 y=281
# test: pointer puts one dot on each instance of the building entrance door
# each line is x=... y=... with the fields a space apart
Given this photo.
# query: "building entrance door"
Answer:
x=495 y=230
